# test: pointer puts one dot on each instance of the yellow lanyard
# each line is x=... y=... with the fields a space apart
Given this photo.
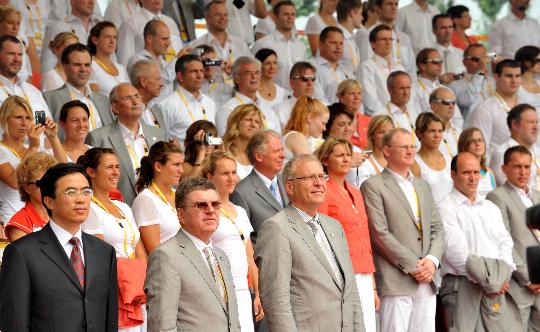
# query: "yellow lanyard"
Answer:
x=423 y=86
x=39 y=17
x=11 y=149
x=4 y=88
x=374 y=165
x=353 y=56
x=187 y=106
x=162 y=196
x=230 y=56
x=503 y=102
x=133 y=156
x=381 y=66
x=417 y=201
x=107 y=69
x=133 y=239
x=90 y=108
x=226 y=215
x=241 y=102
x=398 y=49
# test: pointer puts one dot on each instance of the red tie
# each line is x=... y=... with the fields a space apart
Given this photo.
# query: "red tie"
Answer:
x=76 y=260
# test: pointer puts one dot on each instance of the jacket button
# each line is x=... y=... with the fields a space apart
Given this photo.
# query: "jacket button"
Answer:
x=419 y=239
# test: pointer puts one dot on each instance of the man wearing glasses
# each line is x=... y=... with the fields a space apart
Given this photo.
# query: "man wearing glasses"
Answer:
x=407 y=237
x=306 y=280
x=59 y=277
x=443 y=103
x=189 y=283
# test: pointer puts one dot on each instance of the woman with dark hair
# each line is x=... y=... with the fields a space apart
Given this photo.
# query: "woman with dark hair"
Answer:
x=73 y=118
x=196 y=148
x=271 y=94
x=154 y=208
x=472 y=140
x=106 y=73
x=529 y=59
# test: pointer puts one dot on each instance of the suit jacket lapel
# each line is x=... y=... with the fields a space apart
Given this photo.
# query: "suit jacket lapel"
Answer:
x=425 y=212
x=103 y=111
x=535 y=196
x=226 y=280
x=55 y=252
x=117 y=142
x=395 y=189
x=264 y=192
x=90 y=263
x=514 y=197
x=148 y=137
x=333 y=244
x=159 y=116
x=188 y=249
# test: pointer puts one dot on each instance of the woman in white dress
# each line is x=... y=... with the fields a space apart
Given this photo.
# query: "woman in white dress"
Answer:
x=17 y=123
x=106 y=73
x=35 y=14
x=233 y=237
x=317 y=22
x=529 y=59
x=472 y=140
x=242 y=124
x=303 y=132
x=270 y=93
x=430 y=163
x=56 y=77
x=154 y=207
x=111 y=220
x=74 y=117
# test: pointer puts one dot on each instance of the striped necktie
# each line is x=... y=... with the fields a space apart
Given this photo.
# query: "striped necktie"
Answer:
x=76 y=260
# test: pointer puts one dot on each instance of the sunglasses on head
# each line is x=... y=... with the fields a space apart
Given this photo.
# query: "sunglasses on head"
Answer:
x=305 y=78
x=447 y=102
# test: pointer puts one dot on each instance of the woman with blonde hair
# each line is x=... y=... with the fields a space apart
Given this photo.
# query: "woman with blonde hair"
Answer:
x=349 y=93
x=56 y=77
x=242 y=124
x=317 y=22
x=303 y=132
x=233 y=237
x=472 y=140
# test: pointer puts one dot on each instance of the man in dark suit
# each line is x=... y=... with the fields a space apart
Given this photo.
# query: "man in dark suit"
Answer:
x=58 y=278
x=130 y=138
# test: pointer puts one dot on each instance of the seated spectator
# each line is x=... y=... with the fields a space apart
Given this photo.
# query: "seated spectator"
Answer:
x=529 y=59
x=154 y=208
x=471 y=140
x=233 y=236
x=443 y=103
x=74 y=117
x=33 y=216
x=443 y=27
x=344 y=203
x=196 y=148
x=462 y=21
x=144 y=76
x=303 y=132
x=317 y=22
x=106 y=72
x=271 y=93
x=430 y=164
x=242 y=124
x=349 y=93
x=56 y=77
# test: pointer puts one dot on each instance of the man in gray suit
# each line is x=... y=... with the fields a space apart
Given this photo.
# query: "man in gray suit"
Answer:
x=513 y=198
x=407 y=238
x=261 y=193
x=128 y=136
x=189 y=284
x=306 y=279
x=146 y=78
x=77 y=64
x=183 y=12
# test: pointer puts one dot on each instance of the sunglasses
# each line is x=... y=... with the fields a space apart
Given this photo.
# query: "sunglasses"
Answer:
x=216 y=205
x=434 y=61
x=305 y=79
x=446 y=102
x=473 y=58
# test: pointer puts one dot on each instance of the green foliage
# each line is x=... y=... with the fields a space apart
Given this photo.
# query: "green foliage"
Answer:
x=306 y=7
x=490 y=8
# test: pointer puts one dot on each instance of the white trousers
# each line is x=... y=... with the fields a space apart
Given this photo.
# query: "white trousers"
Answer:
x=414 y=313
x=364 y=282
x=243 y=297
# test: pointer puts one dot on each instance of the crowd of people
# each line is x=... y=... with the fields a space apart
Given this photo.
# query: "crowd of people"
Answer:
x=373 y=179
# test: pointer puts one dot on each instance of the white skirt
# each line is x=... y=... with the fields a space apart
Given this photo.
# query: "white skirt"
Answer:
x=243 y=298
x=364 y=282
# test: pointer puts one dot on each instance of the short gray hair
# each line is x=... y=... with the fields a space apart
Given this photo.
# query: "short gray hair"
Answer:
x=188 y=186
x=258 y=142
x=113 y=95
x=244 y=60
x=289 y=171
x=138 y=70
x=389 y=136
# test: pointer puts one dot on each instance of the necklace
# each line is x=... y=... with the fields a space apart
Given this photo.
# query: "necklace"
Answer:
x=113 y=71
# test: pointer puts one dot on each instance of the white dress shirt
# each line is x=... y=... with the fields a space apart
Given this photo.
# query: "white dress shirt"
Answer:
x=35 y=17
x=472 y=229
x=166 y=70
x=130 y=34
x=135 y=144
x=284 y=110
x=328 y=80
x=422 y=88
x=200 y=245
x=94 y=122
x=497 y=160
x=233 y=48
x=105 y=81
x=351 y=53
x=267 y=182
x=448 y=146
x=51 y=80
x=314 y=25
x=509 y=33
x=265 y=25
x=289 y=51
x=452 y=57
x=402 y=119
x=373 y=74
x=64 y=236
x=118 y=11
x=182 y=108
x=416 y=23
x=240 y=21
x=220 y=90
x=471 y=90
x=24 y=90
x=270 y=118
x=524 y=196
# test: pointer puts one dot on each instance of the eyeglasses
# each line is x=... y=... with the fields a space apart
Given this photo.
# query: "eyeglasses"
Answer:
x=73 y=193
x=313 y=178
x=473 y=58
x=305 y=79
x=434 y=61
x=216 y=205
x=404 y=147
x=446 y=102
x=476 y=141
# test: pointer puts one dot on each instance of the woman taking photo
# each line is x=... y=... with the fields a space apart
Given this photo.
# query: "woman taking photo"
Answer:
x=345 y=204
x=154 y=208
x=242 y=124
x=33 y=216
x=349 y=93
x=471 y=140
x=271 y=93
x=196 y=149
x=317 y=22
x=233 y=237
x=73 y=118
x=106 y=73
x=56 y=77
x=430 y=163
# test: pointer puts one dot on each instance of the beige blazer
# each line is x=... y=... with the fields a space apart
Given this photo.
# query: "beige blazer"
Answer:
x=298 y=289
x=396 y=241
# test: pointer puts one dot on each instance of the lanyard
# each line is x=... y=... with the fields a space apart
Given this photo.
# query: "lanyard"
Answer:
x=162 y=196
x=419 y=222
x=5 y=89
x=107 y=69
x=31 y=19
x=90 y=108
x=181 y=94
x=353 y=56
x=118 y=220
x=422 y=85
x=11 y=149
x=242 y=237
x=502 y=101
x=132 y=154
x=382 y=67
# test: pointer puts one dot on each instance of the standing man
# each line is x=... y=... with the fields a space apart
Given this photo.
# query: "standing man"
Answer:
x=349 y=16
x=407 y=237
x=401 y=107
x=144 y=76
x=59 y=277
x=513 y=199
x=306 y=280
x=443 y=28
x=189 y=284
x=415 y=20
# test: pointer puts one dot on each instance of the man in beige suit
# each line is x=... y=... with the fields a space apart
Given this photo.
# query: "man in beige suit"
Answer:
x=189 y=284
x=407 y=238
x=513 y=198
x=306 y=280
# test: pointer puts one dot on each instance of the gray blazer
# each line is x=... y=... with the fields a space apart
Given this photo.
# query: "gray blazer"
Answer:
x=397 y=242
x=110 y=136
x=253 y=195
x=298 y=289
x=57 y=98
x=190 y=10
x=181 y=294
x=158 y=114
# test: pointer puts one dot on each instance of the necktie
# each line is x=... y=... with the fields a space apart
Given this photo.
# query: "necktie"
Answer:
x=76 y=260
x=275 y=193
x=326 y=249
x=216 y=272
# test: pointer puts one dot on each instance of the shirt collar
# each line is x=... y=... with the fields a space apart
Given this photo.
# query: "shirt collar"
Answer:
x=199 y=244
x=279 y=36
x=382 y=61
x=70 y=18
x=514 y=18
x=189 y=96
x=463 y=200
x=267 y=182
x=148 y=14
x=520 y=191
x=395 y=109
x=244 y=98
x=429 y=83
x=64 y=236
x=126 y=133
x=77 y=92
x=306 y=217
x=399 y=178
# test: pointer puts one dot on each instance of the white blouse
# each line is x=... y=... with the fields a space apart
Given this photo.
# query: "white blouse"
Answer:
x=51 y=80
x=106 y=81
x=10 y=200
